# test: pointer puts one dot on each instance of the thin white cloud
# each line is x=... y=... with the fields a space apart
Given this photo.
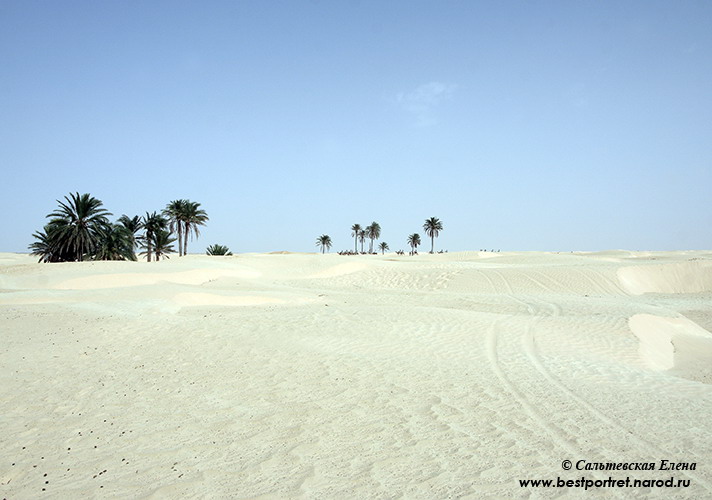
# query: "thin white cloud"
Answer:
x=423 y=101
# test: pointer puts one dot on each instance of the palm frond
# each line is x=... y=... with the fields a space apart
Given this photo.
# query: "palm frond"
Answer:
x=117 y=243
x=218 y=250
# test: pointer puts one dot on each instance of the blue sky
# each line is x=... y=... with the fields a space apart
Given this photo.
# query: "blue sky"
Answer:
x=521 y=125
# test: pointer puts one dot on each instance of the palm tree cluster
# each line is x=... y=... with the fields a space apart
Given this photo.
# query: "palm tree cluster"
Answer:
x=360 y=234
x=432 y=228
x=185 y=217
x=80 y=230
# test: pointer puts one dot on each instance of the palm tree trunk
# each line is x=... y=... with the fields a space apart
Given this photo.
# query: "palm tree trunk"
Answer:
x=185 y=239
x=432 y=243
x=356 y=243
x=180 y=240
x=149 y=237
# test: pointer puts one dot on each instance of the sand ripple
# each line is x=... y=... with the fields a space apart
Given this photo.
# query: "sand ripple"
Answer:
x=310 y=376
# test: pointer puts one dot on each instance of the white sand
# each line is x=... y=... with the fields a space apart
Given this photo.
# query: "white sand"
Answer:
x=294 y=375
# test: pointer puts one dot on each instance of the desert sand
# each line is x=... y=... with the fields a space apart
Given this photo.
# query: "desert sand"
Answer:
x=325 y=376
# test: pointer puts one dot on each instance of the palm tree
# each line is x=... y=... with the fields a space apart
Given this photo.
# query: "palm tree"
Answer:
x=47 y=246
x=117 y=243
x=218 y=250
x=383 y=246
x=193 y=216
x=355 y=232
x=160 y=243
x=152 y=224
x=413 y=241
x=43 y=247
x=362 y=238
x=432 y=228
x=77 y=225
x=373 y=232
x=175 y=212
x=133 y=225
x=324 y=241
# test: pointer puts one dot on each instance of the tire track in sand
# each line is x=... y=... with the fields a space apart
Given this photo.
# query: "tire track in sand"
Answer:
x=529 y=345
x=493 y=356
x=489 y=280
x=559 y=436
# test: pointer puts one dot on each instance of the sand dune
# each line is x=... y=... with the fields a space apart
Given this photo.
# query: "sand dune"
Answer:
x=675 y=344
x=324 y=376
x=197 y=277
x=682 y=277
